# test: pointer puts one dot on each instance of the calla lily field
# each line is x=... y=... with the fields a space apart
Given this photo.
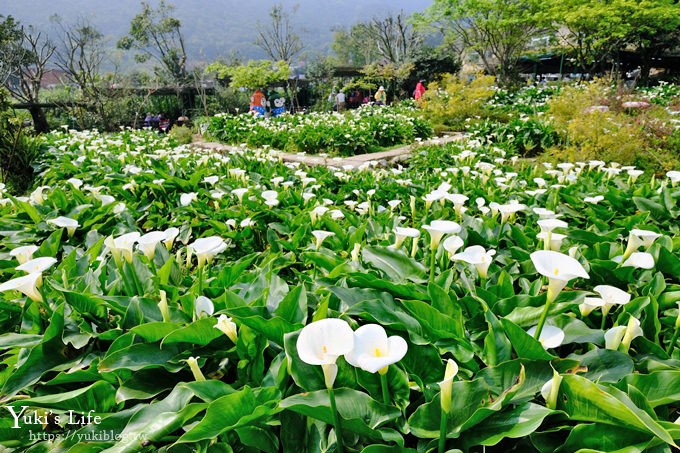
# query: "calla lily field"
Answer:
x=192 y=300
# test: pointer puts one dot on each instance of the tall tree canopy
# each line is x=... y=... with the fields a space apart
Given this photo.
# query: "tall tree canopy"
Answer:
x=278 y=38
x=24 y=58
x=157 y=35
x=498 y=31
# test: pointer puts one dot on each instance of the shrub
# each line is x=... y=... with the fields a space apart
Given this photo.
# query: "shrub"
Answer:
x=357 y=131
x=522 y=135
x=182 y=134
x=594 y=124
x=453 y=100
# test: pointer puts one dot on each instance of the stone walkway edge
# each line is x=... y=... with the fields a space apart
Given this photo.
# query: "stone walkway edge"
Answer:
x=358 y=161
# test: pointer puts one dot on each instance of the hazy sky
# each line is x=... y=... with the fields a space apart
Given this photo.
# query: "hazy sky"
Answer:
x=214 y=28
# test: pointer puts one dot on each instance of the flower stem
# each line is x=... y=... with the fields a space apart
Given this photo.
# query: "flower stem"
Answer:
x=541 y=321
x=674 y=340
x=432 y=263
x=604 y=320
x=336 y=420
x=386 y=388
x=442 y=431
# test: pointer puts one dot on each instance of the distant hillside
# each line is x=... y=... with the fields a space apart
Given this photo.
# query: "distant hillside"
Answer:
x=214 y=28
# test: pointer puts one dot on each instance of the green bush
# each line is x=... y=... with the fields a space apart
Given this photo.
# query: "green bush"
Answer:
x=522 y=135
x=182 y=134
x=594 y=124
x=452 y=101
x=366 y=129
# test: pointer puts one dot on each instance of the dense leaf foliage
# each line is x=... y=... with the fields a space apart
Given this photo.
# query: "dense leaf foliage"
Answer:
x=190 y=338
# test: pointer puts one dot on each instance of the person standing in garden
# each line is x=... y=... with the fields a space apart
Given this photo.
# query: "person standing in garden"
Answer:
x=340 y=101
x=419 y=91
x=381 y=96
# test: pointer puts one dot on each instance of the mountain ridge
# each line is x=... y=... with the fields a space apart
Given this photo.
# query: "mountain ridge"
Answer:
x=213 y=29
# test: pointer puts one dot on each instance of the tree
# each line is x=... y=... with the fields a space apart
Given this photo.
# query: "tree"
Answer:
x=654 y=29
x=595 y=31
x=354 y=47
x=278 y=39
x=80 y=55
x=390 y=39
x=10 y=34
x=591 y=30
x=396 y=40
x=26 y=54
x=254 y=74
x=497 y=30
x=156 y=35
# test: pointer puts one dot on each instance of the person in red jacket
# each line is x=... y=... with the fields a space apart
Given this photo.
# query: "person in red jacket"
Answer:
x=419 y=91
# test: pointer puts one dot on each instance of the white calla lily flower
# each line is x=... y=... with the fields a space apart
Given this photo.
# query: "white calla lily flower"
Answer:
x=439 y=228
x=374 y=350
x=170 y=235
x=122 y=245
x=147 y=243
x=451 y=244
x=639 y=260
x=27 y=285
x=203 y=307
x=401 y=233
x=187 y=198
x=320 y=236
x=23 y=253
x=477 y=256
x=206 y=249
x=446 y=385
x=589 y=304
x=228 y=327
x=551 y=336
x=322 y=342
x=37 y=264
x=65 y=222
x=611 y=296
x=559 y=268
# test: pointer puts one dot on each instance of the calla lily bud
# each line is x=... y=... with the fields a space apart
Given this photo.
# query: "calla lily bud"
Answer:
x=228 y=327
x=195 y=369
x=446 y=385
x=355 y=252
x=633 y=330
x=551 y=389
x=163 y=307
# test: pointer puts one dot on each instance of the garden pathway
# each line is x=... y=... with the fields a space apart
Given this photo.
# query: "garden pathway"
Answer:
x=357 y=161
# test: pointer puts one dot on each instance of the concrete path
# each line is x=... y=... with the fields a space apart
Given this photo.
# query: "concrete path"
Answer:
x=384 y=157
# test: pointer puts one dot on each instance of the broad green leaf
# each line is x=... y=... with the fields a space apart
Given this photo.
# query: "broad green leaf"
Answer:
x=605 y=365
x=138 y=356
x=293 y=307
x=98 y=397
x=660 y=388
x=232 y=411
x=395 y=264
x=359 y=412
x=519 y=421
x=200 y=332
x=584 y=400
x=525 y=346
